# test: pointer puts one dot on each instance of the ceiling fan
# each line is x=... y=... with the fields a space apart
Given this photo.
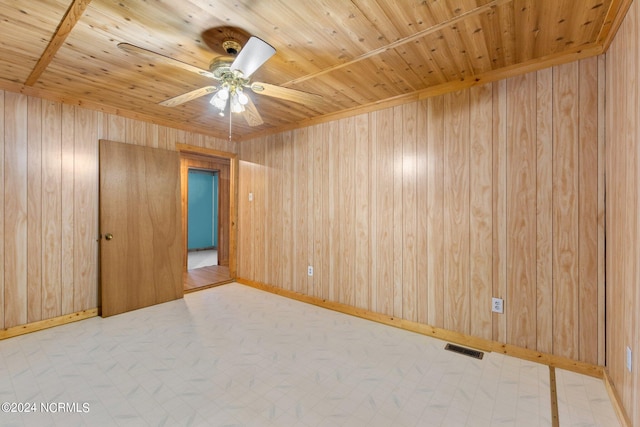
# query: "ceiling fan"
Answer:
x=233 y=74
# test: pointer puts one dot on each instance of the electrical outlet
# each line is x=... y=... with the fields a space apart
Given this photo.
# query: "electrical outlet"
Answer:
x=629 y=355
x=497 y=305
x=251 y=197
x=310 y=270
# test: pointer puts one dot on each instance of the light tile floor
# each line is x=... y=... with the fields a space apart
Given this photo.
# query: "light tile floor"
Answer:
x=199 y=259
x=236 y=356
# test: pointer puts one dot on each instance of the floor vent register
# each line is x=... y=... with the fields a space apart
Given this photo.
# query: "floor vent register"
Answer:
x=463 y=350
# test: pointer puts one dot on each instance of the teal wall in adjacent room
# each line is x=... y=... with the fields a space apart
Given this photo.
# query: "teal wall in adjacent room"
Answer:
x=202 y=209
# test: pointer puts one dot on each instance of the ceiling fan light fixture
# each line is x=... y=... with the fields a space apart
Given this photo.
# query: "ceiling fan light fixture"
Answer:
x=219 y=102
x=236 y=105
x=243 y=99
x=223 y=93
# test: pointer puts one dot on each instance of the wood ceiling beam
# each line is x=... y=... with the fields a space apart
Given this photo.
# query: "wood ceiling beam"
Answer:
x=435 y=28
x=71 y=18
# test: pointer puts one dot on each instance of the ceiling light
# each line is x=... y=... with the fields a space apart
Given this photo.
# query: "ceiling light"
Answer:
x=236 y=105
x=218 y=102
x=223 y=93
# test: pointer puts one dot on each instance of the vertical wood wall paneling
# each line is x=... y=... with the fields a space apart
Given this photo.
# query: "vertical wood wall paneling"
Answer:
x=630 y=202
x=333 y=214
x=270 y=206
x=521 y=211
x=622 y=210
x=565 y=202
x=362 y=203
x=325 y=236
x=287 y=229
x=481 y=210
x=86 y=210
x=373 y=212
x=588 y=210
x=500 y=206
x=136 y=134
x=151 y=135
x=259 y=211
x=246 y=248
x=421 y=253
x=15 y=219
x=51 y=210
x=300 y=214
x=398 y=212
x=307 y=138
x=34 y=210
x=456 y=223
x=544 y=210
x=278 y=185
x=409 y=203
x=347 y=214
x=2 y=207
x=49 y=202
x=435 y=212
x=244 y=213
x=461 y=203
x=320 y=175
x=383 y=141
x=68 y=209
x=601 y=211
x=115 y=128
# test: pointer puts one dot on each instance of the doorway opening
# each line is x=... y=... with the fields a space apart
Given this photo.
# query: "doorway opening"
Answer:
x=207 y=180
x=202 y=218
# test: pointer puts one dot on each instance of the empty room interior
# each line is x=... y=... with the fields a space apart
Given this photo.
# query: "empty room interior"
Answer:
x=386 y=178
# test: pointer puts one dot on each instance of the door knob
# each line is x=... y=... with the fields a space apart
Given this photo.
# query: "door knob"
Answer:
x=108 y=236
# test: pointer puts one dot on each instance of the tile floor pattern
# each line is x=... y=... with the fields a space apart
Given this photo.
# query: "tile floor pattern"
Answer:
x=237 y=356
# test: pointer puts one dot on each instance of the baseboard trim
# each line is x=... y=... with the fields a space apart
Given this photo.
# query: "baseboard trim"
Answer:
x=624 y=419
x=48 y=323
x=559 y=362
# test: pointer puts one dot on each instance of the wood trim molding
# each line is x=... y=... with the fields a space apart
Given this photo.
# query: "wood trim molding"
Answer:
x=116 y=111
x=194 y=149
x=616 y=14
x=45 y=324
x=571 y=55
x=618 y=407
x=233 y=196
x=439 y=333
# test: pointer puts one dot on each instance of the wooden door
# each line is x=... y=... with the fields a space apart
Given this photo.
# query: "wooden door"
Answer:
x=140 y=227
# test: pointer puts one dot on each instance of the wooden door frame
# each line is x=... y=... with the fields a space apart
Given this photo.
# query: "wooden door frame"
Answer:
x=233 y=197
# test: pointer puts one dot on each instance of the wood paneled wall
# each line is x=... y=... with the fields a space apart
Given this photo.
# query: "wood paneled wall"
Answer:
x=623 y=211
x=426 y=210
x=49 y=201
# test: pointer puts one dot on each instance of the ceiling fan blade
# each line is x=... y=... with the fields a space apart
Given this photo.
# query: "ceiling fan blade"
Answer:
x=255 y=53
x=136 y=50
x=189 y=96
x=251 y=114
x=305 y=98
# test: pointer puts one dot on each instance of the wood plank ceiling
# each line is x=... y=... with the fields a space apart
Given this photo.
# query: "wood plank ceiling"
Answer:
x=354 y=53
